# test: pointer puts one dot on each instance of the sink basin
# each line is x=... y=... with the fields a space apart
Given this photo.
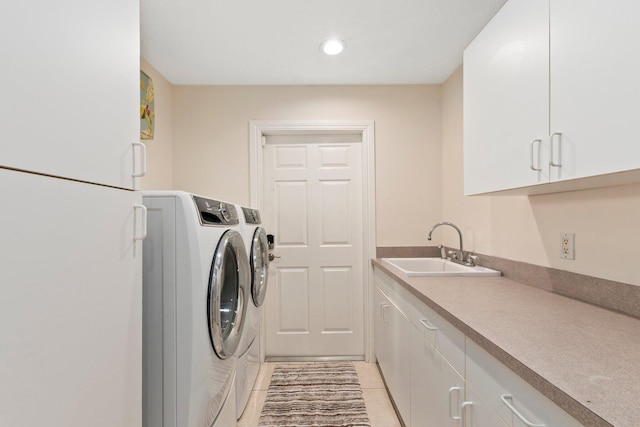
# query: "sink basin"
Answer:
x=437 y=267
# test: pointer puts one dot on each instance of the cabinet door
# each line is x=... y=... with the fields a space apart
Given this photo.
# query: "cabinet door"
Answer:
x=70 y=304
x=437 y=390
x=70 y=88
x=381 y=332
x=399 y=348
x=392 y=335
x=506 y=100
x=595 y=64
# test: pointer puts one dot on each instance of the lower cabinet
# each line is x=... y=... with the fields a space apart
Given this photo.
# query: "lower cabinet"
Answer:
x=437 y=389
x=392 y=332
x=514 y=400
x=437 y=377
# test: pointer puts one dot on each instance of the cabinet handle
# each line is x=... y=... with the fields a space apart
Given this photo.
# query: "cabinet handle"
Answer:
x=143 y=235
x=451 y=390
x=426 y=324
x=143 y=159
x=383 y=312
x=506 y=398
x=463 y=413
x=559 y=162
x=533 y=144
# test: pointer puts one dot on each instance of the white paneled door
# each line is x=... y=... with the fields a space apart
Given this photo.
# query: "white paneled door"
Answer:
x=313 y=204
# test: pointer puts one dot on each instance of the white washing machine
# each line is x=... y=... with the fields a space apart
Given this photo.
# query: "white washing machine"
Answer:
x=195 y=293
x=255 y=239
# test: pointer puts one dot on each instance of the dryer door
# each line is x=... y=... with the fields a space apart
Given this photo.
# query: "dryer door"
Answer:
x=228 y=293
x=259 y=266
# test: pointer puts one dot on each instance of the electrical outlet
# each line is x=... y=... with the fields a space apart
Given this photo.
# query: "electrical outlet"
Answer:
x=567 y=241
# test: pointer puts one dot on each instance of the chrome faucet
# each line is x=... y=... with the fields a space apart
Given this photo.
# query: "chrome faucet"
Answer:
x=455 y=257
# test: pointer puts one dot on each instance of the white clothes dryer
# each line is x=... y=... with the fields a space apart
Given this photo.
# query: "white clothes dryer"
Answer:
x=195 y=293
x=255 y=239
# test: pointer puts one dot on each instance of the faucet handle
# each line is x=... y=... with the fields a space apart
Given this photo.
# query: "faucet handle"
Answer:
x=453 y=254
x=471 y=259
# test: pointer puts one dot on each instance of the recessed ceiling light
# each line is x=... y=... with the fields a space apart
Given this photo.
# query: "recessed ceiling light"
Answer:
x=332 y=46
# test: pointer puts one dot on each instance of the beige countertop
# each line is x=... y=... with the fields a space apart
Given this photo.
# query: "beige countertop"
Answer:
x=584 y=358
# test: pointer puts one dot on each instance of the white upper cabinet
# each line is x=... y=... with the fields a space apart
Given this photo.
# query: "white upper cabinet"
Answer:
x=550 y=92
x=69 y=85
x=506 y=99
x=595 y=86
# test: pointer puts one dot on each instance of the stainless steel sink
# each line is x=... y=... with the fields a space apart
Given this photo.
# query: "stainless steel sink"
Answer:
x=437 y=267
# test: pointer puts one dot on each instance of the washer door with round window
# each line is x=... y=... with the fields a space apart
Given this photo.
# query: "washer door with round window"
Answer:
x=259 y=261
x=228 y=294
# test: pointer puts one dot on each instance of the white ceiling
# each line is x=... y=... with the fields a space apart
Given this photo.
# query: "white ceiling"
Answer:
x=276 y=42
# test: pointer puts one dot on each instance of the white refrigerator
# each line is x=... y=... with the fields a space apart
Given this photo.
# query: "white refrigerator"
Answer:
x=70 y=221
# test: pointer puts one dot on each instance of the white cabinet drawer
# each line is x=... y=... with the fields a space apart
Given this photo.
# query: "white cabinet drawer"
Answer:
x=493 y=381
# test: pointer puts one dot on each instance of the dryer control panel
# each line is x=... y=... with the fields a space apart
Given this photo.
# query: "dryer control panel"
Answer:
x=251 y=216
x=214 y=212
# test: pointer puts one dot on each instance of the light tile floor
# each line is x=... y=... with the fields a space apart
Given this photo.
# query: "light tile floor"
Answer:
x=376 y=399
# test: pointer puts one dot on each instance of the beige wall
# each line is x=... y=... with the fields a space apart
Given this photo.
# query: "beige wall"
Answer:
x=211 y=143
x=159 y=149
x=606 y=221
x=202 y=146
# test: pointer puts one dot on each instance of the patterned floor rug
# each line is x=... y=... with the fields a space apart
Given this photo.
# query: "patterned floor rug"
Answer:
x=314 y=394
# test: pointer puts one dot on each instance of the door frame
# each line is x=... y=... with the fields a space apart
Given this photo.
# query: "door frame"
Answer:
x=258 y=131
